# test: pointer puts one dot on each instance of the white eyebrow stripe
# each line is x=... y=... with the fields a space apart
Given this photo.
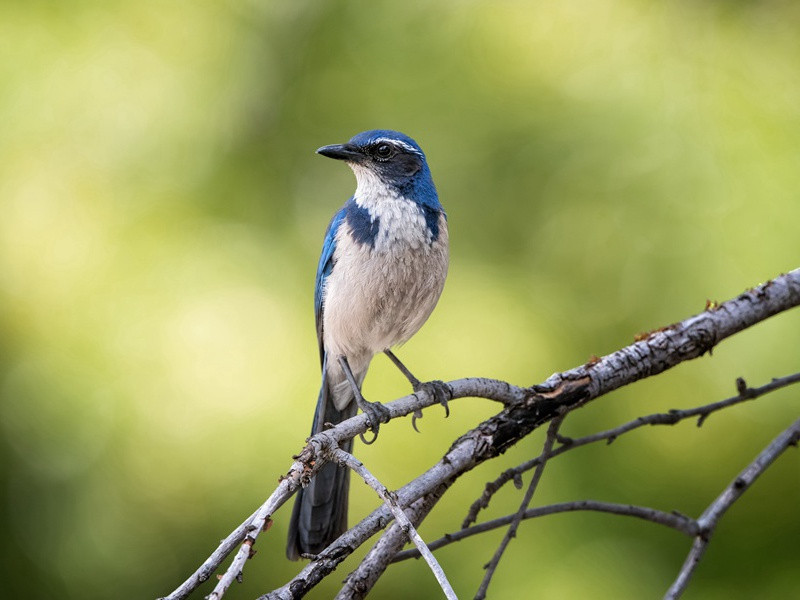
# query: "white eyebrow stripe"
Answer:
x=402 y=144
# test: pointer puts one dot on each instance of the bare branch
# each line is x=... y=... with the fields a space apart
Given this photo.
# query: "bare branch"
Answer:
x=308 y=462
x=402 y=520
x=552 y=432
x=651 y=355
x=524 y=411
x=248 y=530
x=673 y=520
x=669 y=418
x=711 y=516
x=311 y=459
x=363 y=578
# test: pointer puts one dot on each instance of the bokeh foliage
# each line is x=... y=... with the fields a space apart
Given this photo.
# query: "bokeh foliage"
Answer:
x=606 y=167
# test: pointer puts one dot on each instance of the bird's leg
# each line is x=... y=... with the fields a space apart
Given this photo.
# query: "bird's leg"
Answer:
x=376 y=412
x=438 y=389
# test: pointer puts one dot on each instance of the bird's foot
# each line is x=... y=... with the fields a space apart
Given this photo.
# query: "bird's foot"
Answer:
x=439 y=390
x=376 y=412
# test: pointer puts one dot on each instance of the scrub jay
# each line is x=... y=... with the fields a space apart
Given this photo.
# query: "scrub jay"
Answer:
x=382 y=270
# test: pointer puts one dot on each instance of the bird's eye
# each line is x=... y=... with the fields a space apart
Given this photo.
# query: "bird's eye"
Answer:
x=383 y=151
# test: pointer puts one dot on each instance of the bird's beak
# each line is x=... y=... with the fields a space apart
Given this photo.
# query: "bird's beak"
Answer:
x=341 y=152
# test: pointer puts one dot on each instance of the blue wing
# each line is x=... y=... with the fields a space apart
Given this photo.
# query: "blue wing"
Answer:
x=323 y=270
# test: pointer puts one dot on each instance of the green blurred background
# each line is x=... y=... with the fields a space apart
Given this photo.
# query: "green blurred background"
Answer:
x=606 y=166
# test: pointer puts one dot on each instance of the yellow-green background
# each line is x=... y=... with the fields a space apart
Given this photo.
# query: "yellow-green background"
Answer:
x=606 y=166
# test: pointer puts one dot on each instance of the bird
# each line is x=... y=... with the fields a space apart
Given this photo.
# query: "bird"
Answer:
x=381 y=272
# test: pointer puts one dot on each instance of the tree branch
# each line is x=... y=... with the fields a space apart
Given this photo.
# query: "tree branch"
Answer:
x=491 y=567
x=524 y=411
x=710 y=518
x=400 y=517
x=673 y=520
x=669 y=418
x=360 y=581
x=701 y=528
x=364 y=577
x=311 y=459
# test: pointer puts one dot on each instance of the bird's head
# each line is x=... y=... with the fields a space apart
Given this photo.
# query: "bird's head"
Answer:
x=384 y=158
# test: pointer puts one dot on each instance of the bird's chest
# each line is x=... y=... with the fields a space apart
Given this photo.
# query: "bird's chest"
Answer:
x=391 y=263
x=382 y=289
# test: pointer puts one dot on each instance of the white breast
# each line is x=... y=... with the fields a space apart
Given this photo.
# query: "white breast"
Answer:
x=379 y=296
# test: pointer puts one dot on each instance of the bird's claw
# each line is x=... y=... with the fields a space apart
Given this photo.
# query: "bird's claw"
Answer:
x=377 y=413
x=440 y=391
x=417 y=415
x=372 y=441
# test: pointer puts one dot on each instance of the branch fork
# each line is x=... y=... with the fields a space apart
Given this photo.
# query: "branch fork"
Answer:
x=524 y=410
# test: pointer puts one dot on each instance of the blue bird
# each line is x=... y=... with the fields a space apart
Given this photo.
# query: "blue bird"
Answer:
x=382 y=269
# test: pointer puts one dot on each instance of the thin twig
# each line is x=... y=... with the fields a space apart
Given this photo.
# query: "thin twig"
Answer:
x=710 y=518
x=391 y=501
x=379 y=557
x=307 y=464
x=527 y=409
x=258 y=523
x=669 y=418
x=550 y=439
x=213 y=562
x=248 y=530
x=673 y=520
x=650 y=355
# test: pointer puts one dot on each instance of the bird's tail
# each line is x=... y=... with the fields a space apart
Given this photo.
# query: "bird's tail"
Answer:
x=320 y=510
